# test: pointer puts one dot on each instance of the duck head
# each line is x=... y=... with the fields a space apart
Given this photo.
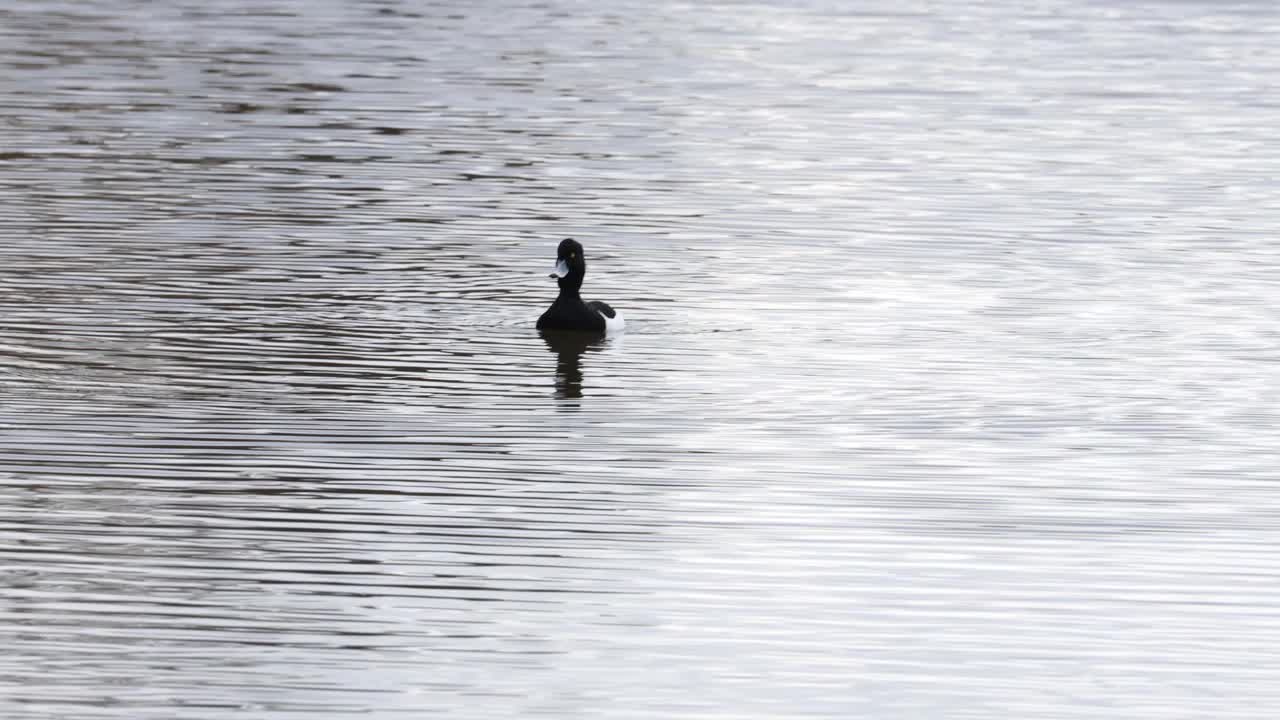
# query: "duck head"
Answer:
x=571 y=265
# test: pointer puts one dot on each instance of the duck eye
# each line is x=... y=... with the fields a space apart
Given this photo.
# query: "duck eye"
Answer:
x=573 y=255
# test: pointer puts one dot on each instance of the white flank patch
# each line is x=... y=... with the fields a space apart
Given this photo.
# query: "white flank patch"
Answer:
x=613 y=324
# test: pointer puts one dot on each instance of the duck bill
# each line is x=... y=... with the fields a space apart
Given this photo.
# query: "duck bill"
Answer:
x=562 y=269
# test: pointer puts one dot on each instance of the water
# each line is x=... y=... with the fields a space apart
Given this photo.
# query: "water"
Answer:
x=948 y=387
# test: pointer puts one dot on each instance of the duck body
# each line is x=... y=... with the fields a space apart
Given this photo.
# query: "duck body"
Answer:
x=574 y=314
x=569 y=311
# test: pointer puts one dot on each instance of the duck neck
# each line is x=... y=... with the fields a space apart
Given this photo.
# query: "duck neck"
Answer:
x=571 y=286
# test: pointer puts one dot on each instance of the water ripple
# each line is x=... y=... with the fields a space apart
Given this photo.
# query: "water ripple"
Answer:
x=946 y=389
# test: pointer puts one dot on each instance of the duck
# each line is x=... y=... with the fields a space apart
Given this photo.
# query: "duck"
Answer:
x=569 y=312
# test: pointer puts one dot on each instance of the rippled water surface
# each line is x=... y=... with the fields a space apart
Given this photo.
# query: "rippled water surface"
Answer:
x=949 y=385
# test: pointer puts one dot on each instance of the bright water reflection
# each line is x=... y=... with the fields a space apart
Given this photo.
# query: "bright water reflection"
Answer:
x=946 y=391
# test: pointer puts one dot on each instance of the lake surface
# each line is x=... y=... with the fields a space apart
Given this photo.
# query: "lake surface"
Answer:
x=949 y=387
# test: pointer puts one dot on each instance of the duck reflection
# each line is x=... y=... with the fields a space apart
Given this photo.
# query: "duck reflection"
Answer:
x=569 y=347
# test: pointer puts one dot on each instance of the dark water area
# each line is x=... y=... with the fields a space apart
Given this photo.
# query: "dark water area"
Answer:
x=948 y=387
